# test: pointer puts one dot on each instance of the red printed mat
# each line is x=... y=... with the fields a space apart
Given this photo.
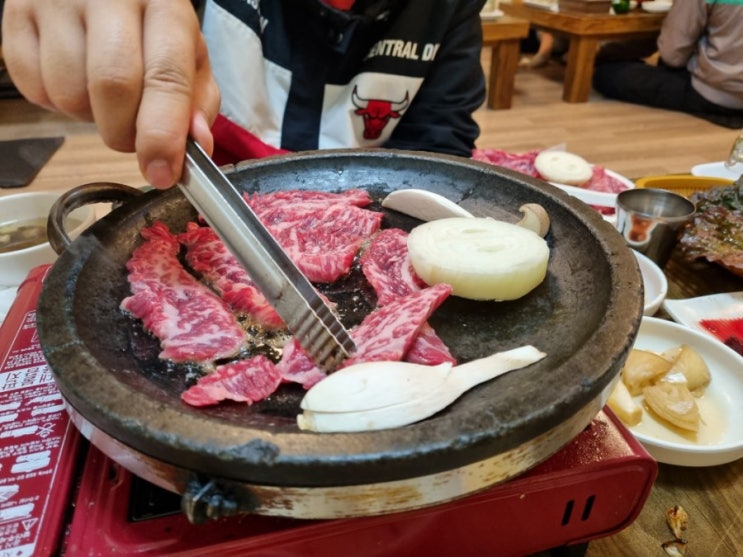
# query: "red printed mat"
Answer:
x=37 y=441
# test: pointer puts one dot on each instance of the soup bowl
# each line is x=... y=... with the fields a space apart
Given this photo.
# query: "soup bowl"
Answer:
x=23 y=240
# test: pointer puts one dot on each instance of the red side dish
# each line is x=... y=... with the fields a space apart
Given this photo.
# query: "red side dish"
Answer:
x=729 y=331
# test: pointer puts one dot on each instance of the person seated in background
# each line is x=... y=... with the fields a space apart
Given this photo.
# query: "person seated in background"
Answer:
x=253 y=78
x=699 y=68
x=548 y=46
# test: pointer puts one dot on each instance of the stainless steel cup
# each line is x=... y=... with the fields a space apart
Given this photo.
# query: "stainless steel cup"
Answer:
x=650 y=220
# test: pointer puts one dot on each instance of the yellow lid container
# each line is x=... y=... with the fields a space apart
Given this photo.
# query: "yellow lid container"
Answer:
x=685 y=184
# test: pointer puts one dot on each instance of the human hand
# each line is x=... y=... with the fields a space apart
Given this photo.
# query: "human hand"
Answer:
x=139 y=69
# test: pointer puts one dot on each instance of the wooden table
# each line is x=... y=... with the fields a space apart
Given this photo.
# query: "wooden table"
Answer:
x=503 y=35
x=712 y=496
x=585 y=31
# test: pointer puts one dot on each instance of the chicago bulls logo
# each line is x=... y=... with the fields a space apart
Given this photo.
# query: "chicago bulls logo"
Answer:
x=376 y=113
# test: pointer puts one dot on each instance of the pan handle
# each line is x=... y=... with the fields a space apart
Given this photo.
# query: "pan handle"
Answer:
x=86 y=194
x=208 y=499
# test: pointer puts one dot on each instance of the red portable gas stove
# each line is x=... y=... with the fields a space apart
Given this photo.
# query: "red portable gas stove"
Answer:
x=60 y=496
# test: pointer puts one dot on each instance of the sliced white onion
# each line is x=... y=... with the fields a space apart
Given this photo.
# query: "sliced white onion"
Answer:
x=563 y=168
x=482 y=259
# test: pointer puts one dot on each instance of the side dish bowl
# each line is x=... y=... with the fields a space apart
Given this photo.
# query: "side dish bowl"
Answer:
x=31 y=210
x=685 y=184
x=654 y=282
x=717 y=170
x=656 y=6
x=720 y=440
x=596 y=197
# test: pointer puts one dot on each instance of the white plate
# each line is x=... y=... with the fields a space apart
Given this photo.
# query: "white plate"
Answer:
x=717 y=170
x=721 y=406
x=491 y=14
x=656 y=6
x=593 y=197
x=691 y=311
x=654 y=281
x=550 y=5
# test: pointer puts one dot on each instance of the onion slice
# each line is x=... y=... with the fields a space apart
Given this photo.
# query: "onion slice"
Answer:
x=482 y=259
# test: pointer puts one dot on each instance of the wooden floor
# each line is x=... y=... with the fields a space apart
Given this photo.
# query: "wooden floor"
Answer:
x=632 y=140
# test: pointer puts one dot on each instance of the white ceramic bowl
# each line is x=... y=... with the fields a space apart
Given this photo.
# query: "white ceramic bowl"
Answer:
x=15 y=265
x=654 y=281
x=657 y=6
x=718 y=170
x=722 y=433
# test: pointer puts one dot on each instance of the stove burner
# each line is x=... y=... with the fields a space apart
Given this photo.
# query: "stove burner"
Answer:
x=147 y=501
x=594 y=486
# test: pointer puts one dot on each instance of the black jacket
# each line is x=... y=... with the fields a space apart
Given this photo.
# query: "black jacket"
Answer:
x=300 y=75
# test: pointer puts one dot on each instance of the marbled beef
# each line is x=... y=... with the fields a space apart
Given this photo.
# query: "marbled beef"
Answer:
x=386 y=334
x=192 y=323
x=322 y=236
x=386 y=265
x=207 y=255
x=248 y=381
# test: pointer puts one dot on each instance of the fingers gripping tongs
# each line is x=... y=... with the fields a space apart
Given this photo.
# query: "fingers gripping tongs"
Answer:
x=293 y=297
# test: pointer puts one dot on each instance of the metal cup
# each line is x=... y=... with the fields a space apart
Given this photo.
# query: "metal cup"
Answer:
x=650 y=219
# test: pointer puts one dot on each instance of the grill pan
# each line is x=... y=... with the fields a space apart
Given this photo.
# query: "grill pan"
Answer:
x=238 y=458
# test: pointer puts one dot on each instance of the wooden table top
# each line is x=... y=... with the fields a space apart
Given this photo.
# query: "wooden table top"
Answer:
x=712 y=496
x=504 y=27
x=586 y=24
x=584 y=32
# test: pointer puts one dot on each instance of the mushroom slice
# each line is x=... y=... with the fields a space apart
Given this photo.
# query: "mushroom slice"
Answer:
x=423 y=204
x=427 y=206
x=535 y=218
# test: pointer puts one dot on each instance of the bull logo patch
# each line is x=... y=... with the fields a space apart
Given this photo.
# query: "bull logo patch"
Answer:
x=376 y=113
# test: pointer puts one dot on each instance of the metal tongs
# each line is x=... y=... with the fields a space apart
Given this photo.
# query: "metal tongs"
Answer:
x=304 y=312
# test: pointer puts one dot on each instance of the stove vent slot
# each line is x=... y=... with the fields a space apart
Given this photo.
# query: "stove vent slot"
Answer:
x=570 y=506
